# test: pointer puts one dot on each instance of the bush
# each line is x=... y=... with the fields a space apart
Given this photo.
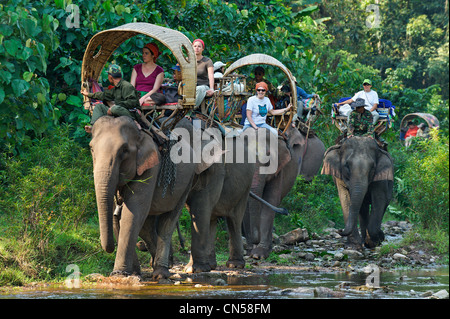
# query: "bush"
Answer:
x=422 y=182
x=47 y=194
x=311 y=205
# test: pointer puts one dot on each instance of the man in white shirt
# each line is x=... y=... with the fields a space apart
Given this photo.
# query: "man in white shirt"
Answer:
x=368 y=95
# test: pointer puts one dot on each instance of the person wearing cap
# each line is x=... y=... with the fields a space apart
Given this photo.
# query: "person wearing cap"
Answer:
x=148 y=77
x=218 y=69
x=360 y=121
x=122 y=98
x=205 y=73
x=258 y=107
x=176 y=73
x=370 y=98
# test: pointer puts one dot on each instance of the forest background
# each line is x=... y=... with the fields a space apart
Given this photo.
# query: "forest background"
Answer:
x=48 y=214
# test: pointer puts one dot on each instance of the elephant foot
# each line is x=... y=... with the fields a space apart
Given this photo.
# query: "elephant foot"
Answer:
x=237 y=263
x=374 y=241
x=121 y=273
x=354 y=245
x=161 y=273
x=196 y=267
x=260 y=253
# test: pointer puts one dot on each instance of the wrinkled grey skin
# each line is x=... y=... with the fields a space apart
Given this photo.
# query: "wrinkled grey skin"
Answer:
x=128 y=160
x=219 y=191
x=364 y=175
x=296 y=156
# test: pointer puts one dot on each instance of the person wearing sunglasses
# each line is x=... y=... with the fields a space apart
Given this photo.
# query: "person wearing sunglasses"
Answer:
x=258 y=107
x=370 y=98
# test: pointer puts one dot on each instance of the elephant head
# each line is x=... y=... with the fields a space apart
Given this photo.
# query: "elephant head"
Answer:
x=357 y=163
x=120 y=153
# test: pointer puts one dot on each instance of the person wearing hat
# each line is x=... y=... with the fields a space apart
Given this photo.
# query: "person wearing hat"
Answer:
x=122 y=98
x=148 y=77
x=360 y=121
x=177 y=73
x=258 y=107
x=370 y=99
x=218 y=69
x=205 y=73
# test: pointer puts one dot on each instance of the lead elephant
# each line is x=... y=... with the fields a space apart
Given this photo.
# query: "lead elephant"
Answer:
x=363 y=174
x=127 y=165
x=296 y=155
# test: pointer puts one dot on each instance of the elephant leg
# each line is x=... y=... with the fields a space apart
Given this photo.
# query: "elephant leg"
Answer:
x=165 y=228
x=131 y=222
x=381 y=194
x=234 y=221
x=200 y=227
x=149 y=236
x=212 y=246
x=264 y=247
x=272 y=194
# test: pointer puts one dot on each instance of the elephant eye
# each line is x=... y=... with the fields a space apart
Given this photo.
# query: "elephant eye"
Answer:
x=346 y=171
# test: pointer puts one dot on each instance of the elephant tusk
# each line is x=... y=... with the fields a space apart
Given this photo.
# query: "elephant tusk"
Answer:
x=279 y=210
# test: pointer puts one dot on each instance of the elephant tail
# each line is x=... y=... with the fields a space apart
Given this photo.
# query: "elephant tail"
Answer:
x=278 y=210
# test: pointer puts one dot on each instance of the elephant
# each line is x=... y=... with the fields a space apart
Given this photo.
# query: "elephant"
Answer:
x=363 y=174
x=298 y=154
x=127 y=164
x=220 y=191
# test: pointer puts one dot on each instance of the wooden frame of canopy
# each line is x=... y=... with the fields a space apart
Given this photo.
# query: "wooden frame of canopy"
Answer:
x=260 y=58
x=431 y=120
x=104 y=43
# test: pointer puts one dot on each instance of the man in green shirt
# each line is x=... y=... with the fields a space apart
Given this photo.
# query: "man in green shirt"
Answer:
x=123 y=98
x=360 y=121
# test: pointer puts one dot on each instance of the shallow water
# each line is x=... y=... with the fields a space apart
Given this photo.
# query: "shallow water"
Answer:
x=402 y=284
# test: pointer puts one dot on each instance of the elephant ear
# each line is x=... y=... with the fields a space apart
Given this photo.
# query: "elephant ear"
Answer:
x=385 y=167
x=147 y=154
x=332 y=162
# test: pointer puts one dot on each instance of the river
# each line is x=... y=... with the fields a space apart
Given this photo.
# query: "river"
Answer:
x=286 y=283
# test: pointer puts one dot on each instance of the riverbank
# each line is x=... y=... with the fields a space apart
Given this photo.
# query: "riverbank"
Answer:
x=312 y=267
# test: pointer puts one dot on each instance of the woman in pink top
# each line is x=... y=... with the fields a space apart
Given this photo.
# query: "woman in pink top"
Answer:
x=148 y=76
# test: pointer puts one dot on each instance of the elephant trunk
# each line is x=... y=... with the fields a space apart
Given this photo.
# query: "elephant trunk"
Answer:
x=105 y=187
x=357 y=194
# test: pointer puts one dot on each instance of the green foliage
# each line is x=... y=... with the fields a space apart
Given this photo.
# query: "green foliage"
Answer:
x=311 y=205
x=46 y=203
x=26 y=39
x=422 y=182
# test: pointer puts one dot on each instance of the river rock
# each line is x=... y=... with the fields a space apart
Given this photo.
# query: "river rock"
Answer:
x=294 y=236
x=309 y=256
x=323 y=292
x=400 y=257
x=353 y=253
x=338 y=256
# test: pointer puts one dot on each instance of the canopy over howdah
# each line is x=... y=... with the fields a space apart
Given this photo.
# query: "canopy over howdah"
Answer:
x=103 y=44
x=431 y=120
